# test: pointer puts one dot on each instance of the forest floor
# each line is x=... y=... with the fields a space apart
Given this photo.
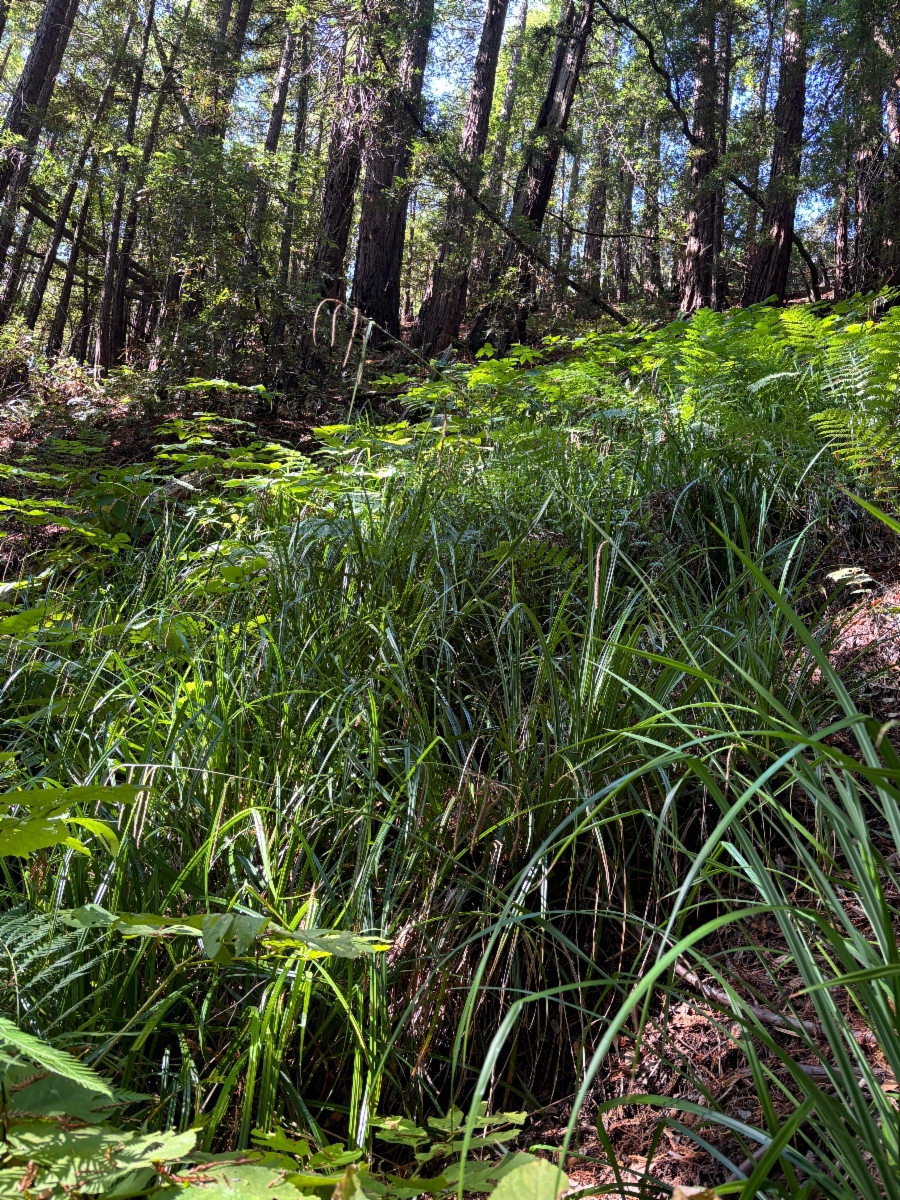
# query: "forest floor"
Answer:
x=548 y=466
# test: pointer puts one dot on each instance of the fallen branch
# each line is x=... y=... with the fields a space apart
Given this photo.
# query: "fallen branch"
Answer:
x=765 y=1015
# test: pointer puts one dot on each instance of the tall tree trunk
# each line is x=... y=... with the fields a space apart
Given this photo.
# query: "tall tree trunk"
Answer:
x=57 y=328
x=36 y=82
x=720 y=275
x=868 y=178
x=39 y=287
x=868 y=167
x=275 y=345
x=890 y=246
x=481 y=262
x=118 y=315
x=763 y=104
x=105 y=344
x=385 y=196
x=624 y=220
x=653 y=282
x=568 y=212
x=15 y=172
x=235 y=52
x=341 y=178
x=770 y=269
x=253 y=251
x=298 y=145
x=535 y=182
x=841 y=246
x=444 y=303
x=595 y=229
x=13 y=280
x=697 y=269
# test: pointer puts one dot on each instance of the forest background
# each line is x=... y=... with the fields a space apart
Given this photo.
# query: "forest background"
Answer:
x=450 y=603
x=181 y=185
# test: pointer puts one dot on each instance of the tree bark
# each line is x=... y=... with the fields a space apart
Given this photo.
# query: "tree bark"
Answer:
x=566 y=230
x=535 y=182
x=724 y=43
x=105 y=346
x=253 y=251
x=118 y=317
x=770 y=268
x=763 y=101
x=697 y=268
x=341 y=178
x=595 y=229
x=297 y=147
x=15 y=171
x=275 y=348
x=13 y=280
x=444 y=303
x=890 y=246
x=385 y=197
x=481 y=263
x=624 y=220
x=57 y=328
x=39 y=287
x=26 y=110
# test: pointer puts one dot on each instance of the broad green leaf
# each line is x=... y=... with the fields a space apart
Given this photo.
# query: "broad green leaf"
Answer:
x=51 y=1059
x=20 y=836
x=483 y=1176
x=88 y=916
x=91 y=1159
x=55 y=1096
x=100 y=830
x=281 y=1143
x=23 y=622
x=244 y=1181
x=538 y=1180
x=224 y=932
x=59 y=798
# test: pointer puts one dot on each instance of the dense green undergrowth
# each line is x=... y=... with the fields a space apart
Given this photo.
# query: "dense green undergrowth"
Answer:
x=415 y=773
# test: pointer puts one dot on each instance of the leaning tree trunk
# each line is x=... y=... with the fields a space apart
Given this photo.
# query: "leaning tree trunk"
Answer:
x=15 y=172
x=383 y=209
x=36 y=82
x=697 y=268
x=444 y=302
x=770 y=268
x=534 y=186
x=341 y=178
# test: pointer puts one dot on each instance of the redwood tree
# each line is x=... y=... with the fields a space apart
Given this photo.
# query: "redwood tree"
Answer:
x=769 y=274
x=383 y=207
x=445 y=297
